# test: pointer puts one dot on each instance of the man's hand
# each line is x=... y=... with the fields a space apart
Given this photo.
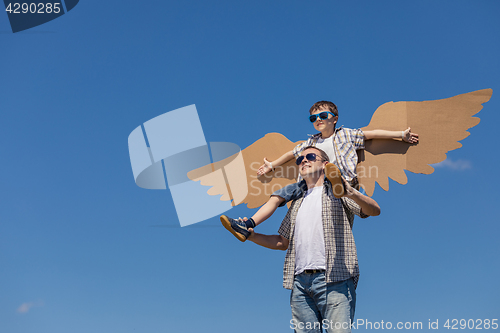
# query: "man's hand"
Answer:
x=368 y=206
x=264 y=168
x=409 y=137
x=252 y=234
x=249 y=229
x=348 y=189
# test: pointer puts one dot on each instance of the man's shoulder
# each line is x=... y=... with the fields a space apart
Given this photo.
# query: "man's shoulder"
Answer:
x=352 y=207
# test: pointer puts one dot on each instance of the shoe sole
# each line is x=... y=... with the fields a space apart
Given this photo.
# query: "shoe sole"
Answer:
x=227 y=225
x=333 y=175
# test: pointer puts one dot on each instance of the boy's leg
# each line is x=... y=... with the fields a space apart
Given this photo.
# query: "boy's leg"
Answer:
x=267 y=209
x=239 y=227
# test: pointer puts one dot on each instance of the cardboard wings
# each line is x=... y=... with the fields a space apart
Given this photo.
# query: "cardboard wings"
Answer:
x=441 y=124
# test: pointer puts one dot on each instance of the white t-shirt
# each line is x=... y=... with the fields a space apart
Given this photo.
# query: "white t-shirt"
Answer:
x=308 y=236
x=326 y=145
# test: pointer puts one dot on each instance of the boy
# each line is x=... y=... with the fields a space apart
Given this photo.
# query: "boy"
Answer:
x=339 y=144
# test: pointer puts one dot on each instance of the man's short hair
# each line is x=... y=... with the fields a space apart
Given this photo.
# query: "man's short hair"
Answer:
x=322 y=154
x=322 y=104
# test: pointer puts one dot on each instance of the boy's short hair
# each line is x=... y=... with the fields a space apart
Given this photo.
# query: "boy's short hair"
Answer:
x=322 y=104
x=323 y=155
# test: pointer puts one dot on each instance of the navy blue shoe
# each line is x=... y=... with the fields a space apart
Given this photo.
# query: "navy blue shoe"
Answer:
x=235 y=226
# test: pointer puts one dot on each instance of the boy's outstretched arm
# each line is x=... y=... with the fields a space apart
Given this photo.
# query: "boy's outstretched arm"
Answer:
x=273 y=242
x=406 y=135
x=268 y=166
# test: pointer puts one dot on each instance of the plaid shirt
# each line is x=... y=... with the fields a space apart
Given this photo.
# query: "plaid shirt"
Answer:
x=345 y=143
x=340 y=249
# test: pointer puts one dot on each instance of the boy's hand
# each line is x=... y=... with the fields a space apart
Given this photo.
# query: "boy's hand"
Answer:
x=409 y=137
x=264 y=168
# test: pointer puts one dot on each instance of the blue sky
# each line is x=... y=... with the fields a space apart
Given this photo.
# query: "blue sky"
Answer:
x=83 y=249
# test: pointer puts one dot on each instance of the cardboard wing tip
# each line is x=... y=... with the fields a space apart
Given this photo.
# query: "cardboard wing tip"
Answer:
x=488 y=91
x=489 y=94
x=484 y=93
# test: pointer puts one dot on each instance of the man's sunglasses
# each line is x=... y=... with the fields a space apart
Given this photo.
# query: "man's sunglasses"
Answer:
x=322 y=115
x=310 y=157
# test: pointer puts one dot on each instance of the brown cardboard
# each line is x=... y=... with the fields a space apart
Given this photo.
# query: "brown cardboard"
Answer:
x=440 y=124
x=271 y=146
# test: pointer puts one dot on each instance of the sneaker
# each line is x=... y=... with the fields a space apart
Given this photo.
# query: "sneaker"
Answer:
x=334 y=176
x=235 y=226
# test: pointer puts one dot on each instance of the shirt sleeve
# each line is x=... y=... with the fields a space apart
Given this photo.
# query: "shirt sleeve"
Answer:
x=299 y=148
x=357 y=138
x=353 y=207
x=284 y=229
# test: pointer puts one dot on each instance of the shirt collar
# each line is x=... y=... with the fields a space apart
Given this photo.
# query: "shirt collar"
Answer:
x=318 y=135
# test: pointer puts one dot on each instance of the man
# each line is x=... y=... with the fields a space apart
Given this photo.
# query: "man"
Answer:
x=321 y=264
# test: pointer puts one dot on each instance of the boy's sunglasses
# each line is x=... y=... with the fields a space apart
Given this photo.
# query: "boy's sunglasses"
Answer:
x=322 y=115
x=310 y=157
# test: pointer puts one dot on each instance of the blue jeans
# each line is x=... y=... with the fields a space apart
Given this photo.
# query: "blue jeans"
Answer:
x=316 y=304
